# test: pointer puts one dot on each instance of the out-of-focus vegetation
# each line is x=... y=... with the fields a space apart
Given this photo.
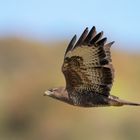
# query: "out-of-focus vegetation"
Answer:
x=28 y=68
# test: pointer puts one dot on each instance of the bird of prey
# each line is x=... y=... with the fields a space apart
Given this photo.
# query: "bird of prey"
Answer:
x=88 y=72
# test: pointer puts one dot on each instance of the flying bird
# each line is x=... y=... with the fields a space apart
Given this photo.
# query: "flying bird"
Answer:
x=88 y=72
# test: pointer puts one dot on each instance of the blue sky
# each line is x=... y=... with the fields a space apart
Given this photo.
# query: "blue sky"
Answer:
x=52 y=19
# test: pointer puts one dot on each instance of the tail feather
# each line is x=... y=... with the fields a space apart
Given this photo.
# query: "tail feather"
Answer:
x=128 y=103
x=115 y=101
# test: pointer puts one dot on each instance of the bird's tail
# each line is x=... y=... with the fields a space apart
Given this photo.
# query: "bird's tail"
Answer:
x=115 y=101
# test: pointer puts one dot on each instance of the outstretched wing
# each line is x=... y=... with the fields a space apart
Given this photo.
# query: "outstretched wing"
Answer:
x=87 y=64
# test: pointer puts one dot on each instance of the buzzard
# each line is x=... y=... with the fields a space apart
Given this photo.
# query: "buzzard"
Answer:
x=88 y=72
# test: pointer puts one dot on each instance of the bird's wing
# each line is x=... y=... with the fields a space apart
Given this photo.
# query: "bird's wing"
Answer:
x=87 y=64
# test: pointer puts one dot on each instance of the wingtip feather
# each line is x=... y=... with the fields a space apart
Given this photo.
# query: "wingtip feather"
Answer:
x=71 y=44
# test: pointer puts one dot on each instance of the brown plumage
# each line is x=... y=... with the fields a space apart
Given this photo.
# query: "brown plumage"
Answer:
x=88 y=72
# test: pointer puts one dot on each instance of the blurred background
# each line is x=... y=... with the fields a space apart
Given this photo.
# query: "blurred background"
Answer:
x=33 y=37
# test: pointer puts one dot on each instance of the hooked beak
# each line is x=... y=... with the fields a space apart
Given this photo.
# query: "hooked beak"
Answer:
x=48 y=93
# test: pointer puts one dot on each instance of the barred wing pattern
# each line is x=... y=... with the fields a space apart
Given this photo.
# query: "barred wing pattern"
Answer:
x=87 y=64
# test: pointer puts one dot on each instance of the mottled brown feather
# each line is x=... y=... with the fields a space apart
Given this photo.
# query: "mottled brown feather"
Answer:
x=87 y=66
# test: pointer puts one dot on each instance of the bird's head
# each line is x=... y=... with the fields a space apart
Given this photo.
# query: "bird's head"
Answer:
x=58 y=93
